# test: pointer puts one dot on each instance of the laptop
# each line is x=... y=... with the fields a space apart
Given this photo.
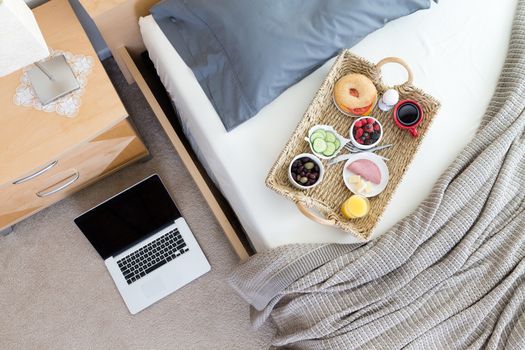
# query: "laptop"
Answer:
x=146 y=244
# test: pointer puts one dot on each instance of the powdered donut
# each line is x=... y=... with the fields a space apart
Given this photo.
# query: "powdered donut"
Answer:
x=355 y=93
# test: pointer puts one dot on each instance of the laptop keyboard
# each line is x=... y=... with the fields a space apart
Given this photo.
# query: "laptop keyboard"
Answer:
x=152 y=256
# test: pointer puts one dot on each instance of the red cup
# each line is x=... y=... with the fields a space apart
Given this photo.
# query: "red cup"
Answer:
x=408 y=114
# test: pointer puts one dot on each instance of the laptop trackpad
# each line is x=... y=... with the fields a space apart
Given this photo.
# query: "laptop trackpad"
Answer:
x=153 y=287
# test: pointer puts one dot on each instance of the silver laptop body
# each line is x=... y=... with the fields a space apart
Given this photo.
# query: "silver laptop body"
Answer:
x=160 y=262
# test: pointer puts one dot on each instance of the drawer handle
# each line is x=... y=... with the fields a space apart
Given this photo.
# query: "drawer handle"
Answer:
x=38 y=173
x=73 y=179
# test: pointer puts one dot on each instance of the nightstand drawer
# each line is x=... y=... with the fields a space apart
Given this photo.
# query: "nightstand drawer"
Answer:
x=102 y=155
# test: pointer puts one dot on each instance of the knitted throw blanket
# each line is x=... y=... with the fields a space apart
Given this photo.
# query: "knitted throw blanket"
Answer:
x=449 y=276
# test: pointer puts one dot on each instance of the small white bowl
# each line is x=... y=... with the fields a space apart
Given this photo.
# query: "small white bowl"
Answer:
x=357 y=144
x=342 y=140
x=316 y=160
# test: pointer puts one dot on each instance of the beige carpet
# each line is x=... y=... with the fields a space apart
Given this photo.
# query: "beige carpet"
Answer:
x=55 y=292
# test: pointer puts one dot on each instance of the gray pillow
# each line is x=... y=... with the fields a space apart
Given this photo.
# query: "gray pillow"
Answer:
x=245 y=53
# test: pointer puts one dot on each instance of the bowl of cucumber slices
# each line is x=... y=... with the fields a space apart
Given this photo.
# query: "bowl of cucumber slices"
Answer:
x=325 y=142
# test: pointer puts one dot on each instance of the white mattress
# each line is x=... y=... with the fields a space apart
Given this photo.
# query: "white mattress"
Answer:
x=456 y=50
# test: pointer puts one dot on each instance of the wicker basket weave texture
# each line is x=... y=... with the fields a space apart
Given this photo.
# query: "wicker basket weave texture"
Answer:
x=328 y=196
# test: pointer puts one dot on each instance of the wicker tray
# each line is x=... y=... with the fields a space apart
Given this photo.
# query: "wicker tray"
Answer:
x=327 y=197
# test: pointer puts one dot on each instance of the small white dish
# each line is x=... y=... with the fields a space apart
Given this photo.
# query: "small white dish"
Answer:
x=342 y=141
x=383 y=168
x=361 y=146
x=316 y=160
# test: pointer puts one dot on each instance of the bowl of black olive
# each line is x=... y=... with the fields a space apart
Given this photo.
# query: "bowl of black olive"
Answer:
x=305 y=171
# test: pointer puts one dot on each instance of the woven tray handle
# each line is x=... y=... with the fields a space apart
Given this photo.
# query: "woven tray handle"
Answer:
x=312 y=216
x=398 y=61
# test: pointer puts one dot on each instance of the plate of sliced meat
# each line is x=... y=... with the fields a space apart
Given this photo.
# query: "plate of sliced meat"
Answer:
x=366 y=174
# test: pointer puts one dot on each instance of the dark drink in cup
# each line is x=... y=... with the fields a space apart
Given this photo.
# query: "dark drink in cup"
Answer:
x=408 y=115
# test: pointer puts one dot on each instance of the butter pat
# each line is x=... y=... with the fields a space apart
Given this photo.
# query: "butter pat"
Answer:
x=360 y=185
x=354 y=179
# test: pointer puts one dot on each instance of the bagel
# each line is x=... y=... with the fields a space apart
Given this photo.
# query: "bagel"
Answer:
x=355 y=94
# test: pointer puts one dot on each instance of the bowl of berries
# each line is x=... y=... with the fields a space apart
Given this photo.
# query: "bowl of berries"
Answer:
x=366 y=132
x=305 y=171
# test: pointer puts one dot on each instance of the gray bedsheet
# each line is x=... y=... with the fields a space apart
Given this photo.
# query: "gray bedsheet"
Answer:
x=449 y=276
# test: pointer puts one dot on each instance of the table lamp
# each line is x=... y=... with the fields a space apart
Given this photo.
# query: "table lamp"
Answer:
x=22 y=44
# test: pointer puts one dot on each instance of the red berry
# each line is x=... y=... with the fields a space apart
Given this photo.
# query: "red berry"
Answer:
x=370 y=121
x=359 y=141
x=359 y=132
x=376 y=127
x=358 y=124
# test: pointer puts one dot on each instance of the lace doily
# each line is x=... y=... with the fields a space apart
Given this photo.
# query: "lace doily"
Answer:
x=67 y=105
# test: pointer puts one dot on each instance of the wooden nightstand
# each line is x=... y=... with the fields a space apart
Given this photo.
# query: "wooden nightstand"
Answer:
x=45 y=157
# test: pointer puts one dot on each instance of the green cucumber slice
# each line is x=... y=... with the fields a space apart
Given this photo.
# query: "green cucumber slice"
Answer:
x=330 y=137
x=319 y=145
x=330 y=149
x=337 y=144
x=321 y=131
x=317 y=135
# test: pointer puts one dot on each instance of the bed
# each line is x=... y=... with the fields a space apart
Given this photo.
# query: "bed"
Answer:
x=455 y=49
x=456 y=55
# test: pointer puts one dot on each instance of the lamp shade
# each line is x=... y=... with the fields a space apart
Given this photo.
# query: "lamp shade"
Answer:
x=21 y=42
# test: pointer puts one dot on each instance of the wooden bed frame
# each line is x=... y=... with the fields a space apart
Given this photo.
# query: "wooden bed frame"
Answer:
x=117 y=21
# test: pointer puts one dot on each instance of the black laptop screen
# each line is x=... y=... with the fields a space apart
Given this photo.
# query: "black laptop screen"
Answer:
x=129 y=217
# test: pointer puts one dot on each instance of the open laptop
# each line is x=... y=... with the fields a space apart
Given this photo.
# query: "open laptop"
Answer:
x=146 y=244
